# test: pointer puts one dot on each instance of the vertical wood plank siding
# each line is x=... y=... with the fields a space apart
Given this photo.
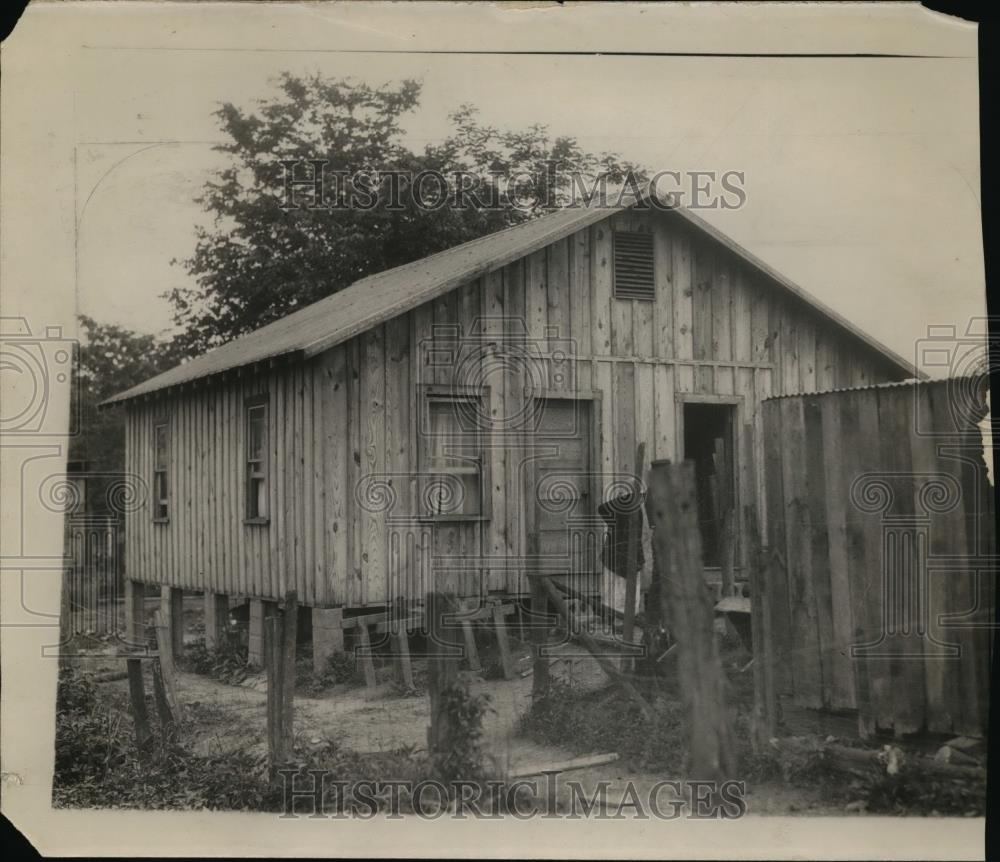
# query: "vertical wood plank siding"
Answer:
x=349 y=416
x=882 y=512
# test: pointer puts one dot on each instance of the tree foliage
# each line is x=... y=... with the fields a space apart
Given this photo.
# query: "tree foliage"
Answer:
x=111 y=359
x=258 y=261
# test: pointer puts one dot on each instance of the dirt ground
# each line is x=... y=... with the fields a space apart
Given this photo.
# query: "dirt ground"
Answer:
x=222 y=717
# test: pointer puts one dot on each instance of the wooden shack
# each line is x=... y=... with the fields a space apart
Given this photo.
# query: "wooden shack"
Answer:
x=460 y=417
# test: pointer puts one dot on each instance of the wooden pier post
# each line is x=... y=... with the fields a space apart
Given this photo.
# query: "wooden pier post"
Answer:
x=327 y=636
x=135 y=613
x=260 y=610
x=216 y=618
x=172 y=610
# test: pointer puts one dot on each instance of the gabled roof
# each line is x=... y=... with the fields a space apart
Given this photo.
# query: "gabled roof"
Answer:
x=385 y=295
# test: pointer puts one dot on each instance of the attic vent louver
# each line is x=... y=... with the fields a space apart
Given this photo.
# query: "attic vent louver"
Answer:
x=633 y=255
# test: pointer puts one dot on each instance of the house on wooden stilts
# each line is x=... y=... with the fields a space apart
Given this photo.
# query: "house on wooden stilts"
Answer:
x=458 y=420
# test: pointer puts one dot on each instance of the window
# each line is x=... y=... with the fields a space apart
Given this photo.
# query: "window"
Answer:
x=257 y=462
x=161 y=497
x=453 y=479
x=633 y=270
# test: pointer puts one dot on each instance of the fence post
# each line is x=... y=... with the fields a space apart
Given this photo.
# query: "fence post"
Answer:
x=444 y=655
x=274 y=668
x=137 y=697
x=280 y=635
x=290 y=629
x=672 y=511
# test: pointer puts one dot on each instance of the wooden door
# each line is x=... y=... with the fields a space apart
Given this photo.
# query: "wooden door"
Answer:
x=565 y=533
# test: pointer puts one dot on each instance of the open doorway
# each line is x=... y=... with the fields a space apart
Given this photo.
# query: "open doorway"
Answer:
x=708 y=441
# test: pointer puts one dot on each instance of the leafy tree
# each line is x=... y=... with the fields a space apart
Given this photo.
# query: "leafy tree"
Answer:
x=258 y=260
x=110 y=360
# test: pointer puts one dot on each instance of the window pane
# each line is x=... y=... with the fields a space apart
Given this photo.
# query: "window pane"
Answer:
x=257 y=434
x=160 y=444
x=454 y=459
x=160 y=495
x=452 y=494
x=258 y=499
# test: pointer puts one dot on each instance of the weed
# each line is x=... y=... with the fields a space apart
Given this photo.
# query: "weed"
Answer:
x=598 y=721
x=462 y=712
x=341 y=669
x=228 y=662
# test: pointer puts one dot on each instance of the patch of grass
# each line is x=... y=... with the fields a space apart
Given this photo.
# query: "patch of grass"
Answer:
x=910 y=792
x=98 y=766
x=97 y=763
x=228 y=662
x=597 y=721
x=341 y=669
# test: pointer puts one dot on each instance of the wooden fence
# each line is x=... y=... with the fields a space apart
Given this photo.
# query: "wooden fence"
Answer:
x=92 y=588
x=879 y=596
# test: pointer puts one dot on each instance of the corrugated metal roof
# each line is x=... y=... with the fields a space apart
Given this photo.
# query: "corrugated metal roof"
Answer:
x=380 y=297
x=966 y=380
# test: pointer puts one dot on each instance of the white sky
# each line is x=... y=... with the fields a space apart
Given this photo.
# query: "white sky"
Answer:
x=862 y=174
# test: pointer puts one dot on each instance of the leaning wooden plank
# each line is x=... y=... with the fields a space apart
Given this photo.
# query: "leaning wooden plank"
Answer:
x=364 y=654
x=555 y=597
x=500 y=627
x=403 y=657
x=485 y=613
x=564 y=765
x=163 y=643
x=471 y=653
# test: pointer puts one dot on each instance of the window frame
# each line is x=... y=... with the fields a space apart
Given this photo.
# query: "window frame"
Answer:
x=428 y=394
x=262 y=473
x=164 y=423
x=614 y=265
